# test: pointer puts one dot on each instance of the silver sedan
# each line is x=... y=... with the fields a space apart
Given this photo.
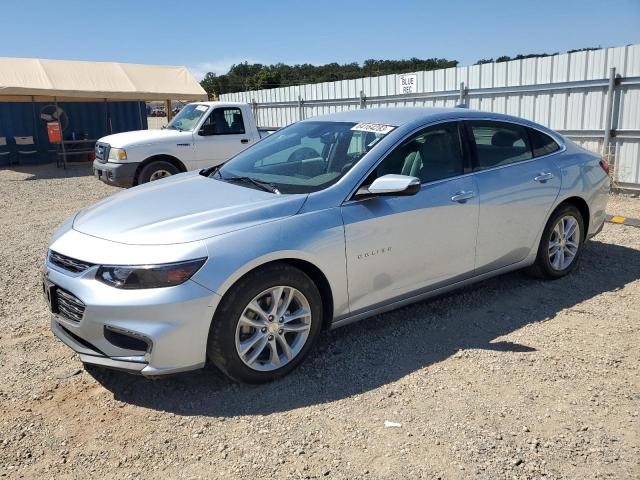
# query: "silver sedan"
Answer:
x=325 y=222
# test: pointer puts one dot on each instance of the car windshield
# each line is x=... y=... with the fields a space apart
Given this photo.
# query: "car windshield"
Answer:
x=188 y=117
x=306 y=156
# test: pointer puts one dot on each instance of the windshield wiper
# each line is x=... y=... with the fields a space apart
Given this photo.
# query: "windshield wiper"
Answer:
x=267 y=187
x=208 y=172
x=215 y=172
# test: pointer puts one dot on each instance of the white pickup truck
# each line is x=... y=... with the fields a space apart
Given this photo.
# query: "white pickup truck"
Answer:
x=203 y=134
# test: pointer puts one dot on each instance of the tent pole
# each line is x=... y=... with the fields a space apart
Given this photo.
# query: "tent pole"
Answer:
x=35 y=123
x=169 y=111
x=109 y=123
x=64 y=151
x=106 y=117
x=140 y=113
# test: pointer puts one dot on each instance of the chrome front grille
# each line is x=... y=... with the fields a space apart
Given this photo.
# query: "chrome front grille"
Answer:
x=69 y=306
x=102 y=152
x=68 y=263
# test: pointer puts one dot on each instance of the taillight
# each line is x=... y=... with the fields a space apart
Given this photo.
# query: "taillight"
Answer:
x=604 y=165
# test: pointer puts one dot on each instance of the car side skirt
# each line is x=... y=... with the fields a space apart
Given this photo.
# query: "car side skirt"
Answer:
x=424 y=295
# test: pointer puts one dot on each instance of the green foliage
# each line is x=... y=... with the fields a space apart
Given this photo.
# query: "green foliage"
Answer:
x=246 y=76
x=506 y=58
x=256 y=76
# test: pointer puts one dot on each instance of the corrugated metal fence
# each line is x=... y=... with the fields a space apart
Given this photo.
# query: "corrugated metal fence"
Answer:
x=592 y=97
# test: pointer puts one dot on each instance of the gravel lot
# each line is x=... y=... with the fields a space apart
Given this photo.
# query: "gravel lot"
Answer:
x=624 y=205
x=512 y=378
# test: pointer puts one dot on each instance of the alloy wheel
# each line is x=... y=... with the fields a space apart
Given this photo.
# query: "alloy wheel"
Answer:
x=564 y=243
x=273 y=328
x=158 y=174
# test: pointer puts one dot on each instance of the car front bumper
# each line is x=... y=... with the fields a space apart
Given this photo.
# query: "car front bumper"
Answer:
x=150 y=331
x=117 y=174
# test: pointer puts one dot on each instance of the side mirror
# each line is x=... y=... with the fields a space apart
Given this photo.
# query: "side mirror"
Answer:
x=207 y=129
x=391 y=185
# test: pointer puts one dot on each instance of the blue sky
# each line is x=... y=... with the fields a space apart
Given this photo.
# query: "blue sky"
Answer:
x=211 y=35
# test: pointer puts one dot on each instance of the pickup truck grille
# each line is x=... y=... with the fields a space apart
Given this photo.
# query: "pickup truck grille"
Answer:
x=68 y=263
x=102 y=152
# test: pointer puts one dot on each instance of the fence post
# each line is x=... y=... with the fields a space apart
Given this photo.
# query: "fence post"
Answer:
x=300 y=108
x=462 y=97
x=608 y=118
x=254 y=109
x=363 y=100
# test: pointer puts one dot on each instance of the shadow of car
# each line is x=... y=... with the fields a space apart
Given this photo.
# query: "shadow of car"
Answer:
x=369 y=354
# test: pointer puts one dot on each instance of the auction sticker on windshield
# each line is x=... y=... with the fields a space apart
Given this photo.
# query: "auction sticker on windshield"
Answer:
x=202 y=108
x=373 y=127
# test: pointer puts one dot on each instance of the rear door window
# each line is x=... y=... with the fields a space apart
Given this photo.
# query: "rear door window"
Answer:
x=499 y=143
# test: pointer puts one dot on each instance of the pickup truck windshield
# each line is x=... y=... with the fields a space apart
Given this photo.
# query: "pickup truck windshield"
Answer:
x=305 y=157
x=188 y=117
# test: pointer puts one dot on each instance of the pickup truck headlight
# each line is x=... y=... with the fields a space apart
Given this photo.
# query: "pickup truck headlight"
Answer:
x=148 y=276
x=117 y=154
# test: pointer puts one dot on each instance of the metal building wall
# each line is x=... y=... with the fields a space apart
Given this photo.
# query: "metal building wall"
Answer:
x=566 y=92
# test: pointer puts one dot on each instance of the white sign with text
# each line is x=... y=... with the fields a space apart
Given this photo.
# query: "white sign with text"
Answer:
x=407 y=83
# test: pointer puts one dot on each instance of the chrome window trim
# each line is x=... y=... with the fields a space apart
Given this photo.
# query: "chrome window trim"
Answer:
x=529 y=160
x=563 y=147
x=562 y=144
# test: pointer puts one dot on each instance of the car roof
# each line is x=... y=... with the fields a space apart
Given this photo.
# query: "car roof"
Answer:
x=388 y=116
x=413 y=115
x=219 y=102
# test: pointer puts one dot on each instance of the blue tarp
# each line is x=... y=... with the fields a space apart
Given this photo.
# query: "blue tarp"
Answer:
x=86 y=119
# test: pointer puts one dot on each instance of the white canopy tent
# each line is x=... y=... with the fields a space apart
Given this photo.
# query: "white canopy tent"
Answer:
x=91 y=80
x=37 y=80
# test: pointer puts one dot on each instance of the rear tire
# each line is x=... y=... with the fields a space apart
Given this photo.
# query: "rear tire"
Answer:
x=249 y=321
x=561 y=244
x=157 y=170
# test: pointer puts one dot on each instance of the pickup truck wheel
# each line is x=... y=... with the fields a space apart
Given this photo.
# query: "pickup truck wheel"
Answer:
x=266 y=324
x=156 y=170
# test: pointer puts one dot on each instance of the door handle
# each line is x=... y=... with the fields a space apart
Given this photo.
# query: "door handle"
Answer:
x=244 y=140
x=462 y=196
x=543 y=177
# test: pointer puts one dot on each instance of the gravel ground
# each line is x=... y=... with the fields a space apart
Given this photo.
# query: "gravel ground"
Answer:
x=512 y=378
x=624 y=205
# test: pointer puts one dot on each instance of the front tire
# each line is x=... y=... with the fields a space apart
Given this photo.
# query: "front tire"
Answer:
x=266 y=324
x=561 y=244
x=157 y=170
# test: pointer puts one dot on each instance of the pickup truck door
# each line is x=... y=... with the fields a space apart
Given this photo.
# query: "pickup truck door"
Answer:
x=220 y=137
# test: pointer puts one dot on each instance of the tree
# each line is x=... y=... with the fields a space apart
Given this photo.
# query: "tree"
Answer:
x=256 y=76
x=209 y=83
x=246 y=76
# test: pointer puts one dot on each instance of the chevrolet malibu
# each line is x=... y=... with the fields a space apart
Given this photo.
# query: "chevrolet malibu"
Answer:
x=325 y=222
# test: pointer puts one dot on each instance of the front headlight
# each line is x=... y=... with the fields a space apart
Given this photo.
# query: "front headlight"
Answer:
x=148 y=276
x=117 y=154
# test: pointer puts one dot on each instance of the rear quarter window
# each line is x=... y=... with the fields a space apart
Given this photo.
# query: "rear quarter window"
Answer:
x=541 y=143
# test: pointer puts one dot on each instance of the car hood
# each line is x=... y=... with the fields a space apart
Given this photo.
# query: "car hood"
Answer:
x=142 y=137
x=183 y=208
